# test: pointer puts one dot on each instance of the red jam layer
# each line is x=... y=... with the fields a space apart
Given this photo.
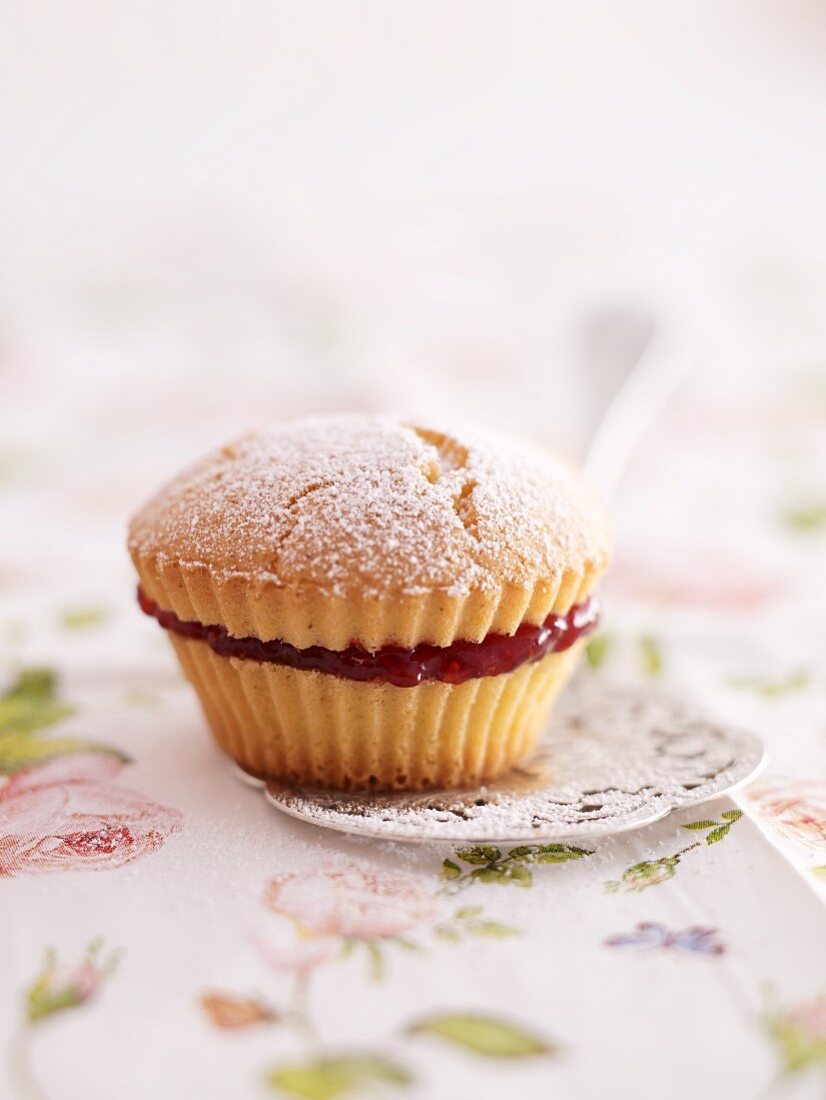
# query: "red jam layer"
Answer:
x=453 y=664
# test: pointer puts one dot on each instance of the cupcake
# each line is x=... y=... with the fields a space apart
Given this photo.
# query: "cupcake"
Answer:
x=361 y=603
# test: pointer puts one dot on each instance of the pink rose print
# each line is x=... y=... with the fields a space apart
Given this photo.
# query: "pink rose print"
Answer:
x=298 y=959
x=350 y=901
x=66 y=815
x=676 y=579
x=809 y=1017
x=794 y=810
x=333 y=910
x=800 y=1035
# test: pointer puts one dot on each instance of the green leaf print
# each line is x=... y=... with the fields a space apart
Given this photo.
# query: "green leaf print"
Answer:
x=29 y=704
x=798 y=1034
x=718 y=832
x=598 y=649
x=486 y=1035
x=491 y=929
x=770 y=689
x=16 y=753
x=82 y=618
x=376 y=960
x=447 y=932
x=50 y=992
x=647 y=873
x=450 y=870
x=653 y=872
x=328 y=1078
x=480 y=854
x=28 y=707
x=143 y=699
x=503 y=873
x=469 y=921
x=806 y=519
x=651 y=655
x=406 y=944
x=547 y=853
x=491 y=866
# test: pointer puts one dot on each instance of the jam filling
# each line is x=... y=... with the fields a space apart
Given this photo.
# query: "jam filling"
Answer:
x=453 y=664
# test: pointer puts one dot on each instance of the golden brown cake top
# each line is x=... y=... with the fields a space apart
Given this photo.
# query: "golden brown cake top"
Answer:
x=370 y=505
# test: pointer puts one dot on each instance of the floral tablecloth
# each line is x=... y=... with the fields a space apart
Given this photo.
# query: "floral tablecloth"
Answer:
x=165 y=933
x=288 y=208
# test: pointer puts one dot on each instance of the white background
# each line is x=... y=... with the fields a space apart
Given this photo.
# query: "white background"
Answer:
x=395 y=205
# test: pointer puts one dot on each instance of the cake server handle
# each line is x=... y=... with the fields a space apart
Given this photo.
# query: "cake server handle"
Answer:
x=642 y=366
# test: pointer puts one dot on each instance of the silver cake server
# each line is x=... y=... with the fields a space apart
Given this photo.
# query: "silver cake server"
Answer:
x=614 y=759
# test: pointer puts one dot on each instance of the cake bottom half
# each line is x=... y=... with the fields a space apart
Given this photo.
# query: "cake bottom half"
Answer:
x=321 y=730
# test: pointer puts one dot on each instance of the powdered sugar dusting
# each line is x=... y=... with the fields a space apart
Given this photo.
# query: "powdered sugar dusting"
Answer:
x=368 y=503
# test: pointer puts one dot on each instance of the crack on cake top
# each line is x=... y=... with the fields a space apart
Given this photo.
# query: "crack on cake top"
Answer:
x=369 y=503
